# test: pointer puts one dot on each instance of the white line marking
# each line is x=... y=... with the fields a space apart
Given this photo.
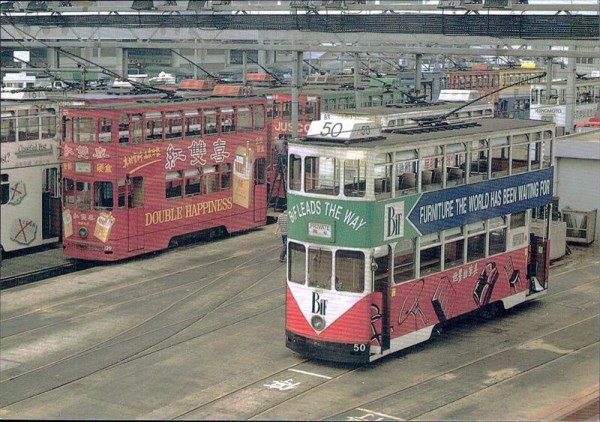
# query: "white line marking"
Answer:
x=310 y=373
x=380 y=414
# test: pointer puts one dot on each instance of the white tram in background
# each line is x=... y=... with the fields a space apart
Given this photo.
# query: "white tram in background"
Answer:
x=585 y=103
x=30 y=173
x=452 y=103
x=391 y=235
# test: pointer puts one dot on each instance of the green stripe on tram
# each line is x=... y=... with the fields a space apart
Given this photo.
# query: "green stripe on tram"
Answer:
x=357 y=224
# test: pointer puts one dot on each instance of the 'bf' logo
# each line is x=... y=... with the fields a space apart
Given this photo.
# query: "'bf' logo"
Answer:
x=393 y=221
x=319 y=306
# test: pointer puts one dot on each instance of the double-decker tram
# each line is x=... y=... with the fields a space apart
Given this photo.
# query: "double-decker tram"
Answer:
x=584 y=103
x=451 y=103
x=140 y=175
x=30 y=173
x=391 y=234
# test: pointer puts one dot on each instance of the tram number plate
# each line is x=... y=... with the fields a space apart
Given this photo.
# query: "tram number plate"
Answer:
x=319 y=230
x=358 y=348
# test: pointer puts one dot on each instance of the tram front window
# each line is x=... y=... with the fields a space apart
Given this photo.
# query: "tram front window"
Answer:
x=319 y=268
x=296 y=262
x=103 y=195
x=349 y=271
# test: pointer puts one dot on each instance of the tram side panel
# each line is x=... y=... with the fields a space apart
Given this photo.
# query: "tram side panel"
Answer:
x=124 y=197
x=30 y=200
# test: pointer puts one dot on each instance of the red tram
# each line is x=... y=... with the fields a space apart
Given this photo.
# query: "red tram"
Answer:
x=140 y=175
x=393 y=234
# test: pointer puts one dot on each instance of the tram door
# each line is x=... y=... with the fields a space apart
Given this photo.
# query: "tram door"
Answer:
x=382 y=284
x=135 y=213
x=539 y=264
x=51 y=214
x=260 y=190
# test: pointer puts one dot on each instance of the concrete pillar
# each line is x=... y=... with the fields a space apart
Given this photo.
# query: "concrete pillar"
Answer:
x=121 y=61
x=244 y=67
x=262 y=58
x=549 y=77
x=570 y=99
x=195 y=61
x=52 y=57
x=418 y=65
x=176 y=61
x=358 y=94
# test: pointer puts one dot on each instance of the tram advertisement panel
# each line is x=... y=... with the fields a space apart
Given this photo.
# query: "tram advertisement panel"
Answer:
x=362 y=223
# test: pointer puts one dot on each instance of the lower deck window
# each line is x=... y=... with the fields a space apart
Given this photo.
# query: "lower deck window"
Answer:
x=103 y=195
x=174 y=184
x=5 y=188
x=319 y=268
x=349 y=271
x=296 y=262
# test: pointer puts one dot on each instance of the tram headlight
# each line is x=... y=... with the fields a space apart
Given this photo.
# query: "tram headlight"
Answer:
x=318 y=322
x=83 y=232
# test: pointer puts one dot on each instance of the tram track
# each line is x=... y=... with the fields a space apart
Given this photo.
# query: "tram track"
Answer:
x=164 y=337
x=117 y=339
x=305 y=396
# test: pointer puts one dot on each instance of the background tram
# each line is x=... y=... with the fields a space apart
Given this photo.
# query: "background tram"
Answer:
x=138 y=176
x=398 y=115
x=30 y=183
x=392 y=234
x=585 y=102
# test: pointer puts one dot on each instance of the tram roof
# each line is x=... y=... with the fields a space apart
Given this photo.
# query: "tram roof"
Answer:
x=416 y=136
x=139 y=103
x=402 y=107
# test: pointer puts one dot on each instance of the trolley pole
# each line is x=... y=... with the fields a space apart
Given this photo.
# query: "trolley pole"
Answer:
x=296 y=84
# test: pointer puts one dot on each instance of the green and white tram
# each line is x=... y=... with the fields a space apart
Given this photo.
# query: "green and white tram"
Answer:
x=392 y=234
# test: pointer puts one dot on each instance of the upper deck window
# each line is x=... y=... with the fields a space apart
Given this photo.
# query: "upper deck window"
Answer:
x=500 y=151
x=383 y=176
x=228 y=123
x=260 y=120
x=8 y=131
x=28 y=125
x=174 y=125
x=154 y=127
x=192 y=123
x=210 y=122
x=322 y=175
x=520 y=153
x=244 y=123
x=84 y=130
x=355 y=177
x=105 y=130
x=479 y=158
x=48 y=123
x=124 y=129
x=295 y=172
x=311 y=110
x=406 y=167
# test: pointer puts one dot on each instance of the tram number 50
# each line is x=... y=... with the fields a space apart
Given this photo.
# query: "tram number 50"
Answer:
x=335 y=129
x=360 y=347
